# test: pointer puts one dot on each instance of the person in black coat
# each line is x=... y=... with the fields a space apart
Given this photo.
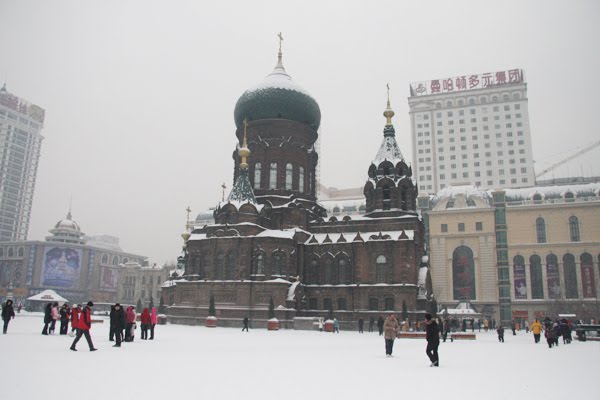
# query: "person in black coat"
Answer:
x=8 y=313
x=371 y=323
x=117 y=323
x=246 y=322
x=361 y=324
x=64 y=319
x=380 y=325
x=111 y=328
x=432 y=334
x=500 y=332
x=47 y=318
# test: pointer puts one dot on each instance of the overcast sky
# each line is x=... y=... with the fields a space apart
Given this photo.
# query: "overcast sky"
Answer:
x=139 y=95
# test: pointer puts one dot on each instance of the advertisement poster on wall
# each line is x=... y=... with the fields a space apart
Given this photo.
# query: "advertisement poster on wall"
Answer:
x=109 y=279
x=553 y=281
x=61 y=267
x=463 y=274
x=520 y=282
x=587 y=280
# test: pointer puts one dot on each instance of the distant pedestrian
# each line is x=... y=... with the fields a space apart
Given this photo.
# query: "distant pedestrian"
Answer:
x=55 y=314
x=111 y=327
x=513 y=327
x=8 y=313
x=446 y=330
x=153 y=321
x=433 y=340
x=536 y=328
x=117 y=321
x=84 y=326
x=361 y=323
x=380 y=323
x=390 y=327
x=371 y=323
x=246 y=323
x=550 y=336
x=47 y=318
x=336 y=326
x=145 y=323
x=486 y=325
x=64 y=319
x=500 y=331
x=130 y=324
x=526 y=324
x=321 y=324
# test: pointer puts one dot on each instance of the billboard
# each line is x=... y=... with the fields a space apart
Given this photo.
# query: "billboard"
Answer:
x=553 y=280
x=466 y=82
x=109 y=278
x=520 y=282
x=61 y=267
x=23 y=107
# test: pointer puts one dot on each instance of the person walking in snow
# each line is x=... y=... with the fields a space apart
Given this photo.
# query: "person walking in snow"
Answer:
x=153 y=320
x=55 y=315
x=130 y=327
x=84 y=326
x=47 y=318
x=526 y=324
x=390 y=328
x=75 y=314
x=371 y=323
x=146 y=321
x=64 y=319
x=380 y=323
x=513 y=327
x=117 y=321
x=361 y=323
x=536 y=328
x=336 y=326
x=500 y=331
x=8 y=313
x=245 y=322
x=432 y=334
x=320 y=324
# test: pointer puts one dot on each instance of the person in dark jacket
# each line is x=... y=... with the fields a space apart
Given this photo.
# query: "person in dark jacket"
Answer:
x=371 y=324
x=47 y=318
x=500 y=331
x=380 y=325
x=83 y=328
x=432 y=334
x=117 y=323
x=8 y=313
x=64 y=319
x=361 y=324
x=111 y=327
x=513 y=327
x=246 y=323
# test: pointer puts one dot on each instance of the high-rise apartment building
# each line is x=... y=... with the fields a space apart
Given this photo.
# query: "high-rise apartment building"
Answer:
x=471 y=129
x=20 y=142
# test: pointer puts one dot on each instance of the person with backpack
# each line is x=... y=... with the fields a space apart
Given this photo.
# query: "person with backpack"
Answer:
x=146 y=321
x=84 y=326
x=8 y=313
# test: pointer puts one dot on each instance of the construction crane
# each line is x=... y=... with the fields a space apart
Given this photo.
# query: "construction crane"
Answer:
x=567 y=159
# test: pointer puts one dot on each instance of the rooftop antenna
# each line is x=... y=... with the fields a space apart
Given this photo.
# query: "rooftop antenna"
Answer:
x=223 y=186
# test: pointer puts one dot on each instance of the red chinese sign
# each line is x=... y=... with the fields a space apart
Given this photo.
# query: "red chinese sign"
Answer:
x=466 y=82
x=21 y=106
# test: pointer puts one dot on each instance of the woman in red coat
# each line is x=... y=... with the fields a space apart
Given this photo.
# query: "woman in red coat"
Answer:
x=75 y=313
x=146 y=321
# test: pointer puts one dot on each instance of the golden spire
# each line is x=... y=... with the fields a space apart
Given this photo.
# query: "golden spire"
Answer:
x=186 y=235
x=244 y=151
x=388 y=113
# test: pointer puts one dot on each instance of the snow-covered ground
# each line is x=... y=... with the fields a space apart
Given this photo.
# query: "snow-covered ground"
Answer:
x=224 y=363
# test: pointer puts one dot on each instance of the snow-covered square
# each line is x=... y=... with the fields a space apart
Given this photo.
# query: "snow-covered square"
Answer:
x=224 y=363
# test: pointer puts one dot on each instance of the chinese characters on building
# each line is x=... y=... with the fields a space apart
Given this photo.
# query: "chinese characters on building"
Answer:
x=466 y=82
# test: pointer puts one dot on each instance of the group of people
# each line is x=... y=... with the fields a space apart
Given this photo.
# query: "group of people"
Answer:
x=391 y=328
x=65 y=314
x=123 y=324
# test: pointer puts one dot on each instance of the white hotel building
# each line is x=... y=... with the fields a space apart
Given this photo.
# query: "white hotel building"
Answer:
x=471 y=129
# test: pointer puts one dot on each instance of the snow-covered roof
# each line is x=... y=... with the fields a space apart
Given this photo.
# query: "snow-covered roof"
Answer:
x=555 y=190
x=48 y=295
x=279 y=79
x=366 y=236
x=389 y=151
x=292 y=291
x=466 y=190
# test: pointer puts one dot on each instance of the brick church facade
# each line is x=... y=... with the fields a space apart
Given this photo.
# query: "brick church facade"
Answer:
x=271 y=239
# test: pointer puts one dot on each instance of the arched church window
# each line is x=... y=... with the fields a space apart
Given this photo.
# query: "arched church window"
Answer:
x=537 y=198
x=386 y=198
x=552 y=277
x=301 y=179
x=380 y=267
x=313 y=272
x=115 y=261
x=259 y=264
x=574 y=229
x=20 y=252
x=588 y=283
x=278 y=260
x=571 y=291
x=404 y=203
x=220 y=267
x=289 y=173
x=540 y=230
x=231 y=261
x=257 y=173
x=343 y=271
x=11 y=252
x=273 y=176
x=463 y=273
x=328 y=279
